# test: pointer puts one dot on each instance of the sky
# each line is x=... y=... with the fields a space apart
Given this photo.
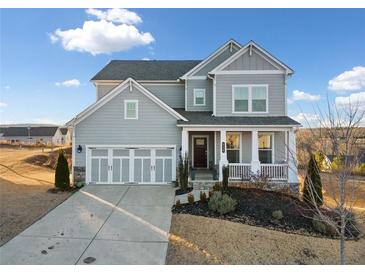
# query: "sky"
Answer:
x=48 y=56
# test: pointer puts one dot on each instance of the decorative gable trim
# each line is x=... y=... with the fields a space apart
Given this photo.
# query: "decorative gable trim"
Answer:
x=128 y=85
x=231 y=43
x=258 y=50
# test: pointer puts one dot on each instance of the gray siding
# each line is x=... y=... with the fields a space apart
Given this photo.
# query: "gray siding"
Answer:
x=205 y=84
x=171 y=94
x=107 y=126
x=276 y=93
x=215 y=62
x=246 y=147
x=279 y=146
x=253 y=62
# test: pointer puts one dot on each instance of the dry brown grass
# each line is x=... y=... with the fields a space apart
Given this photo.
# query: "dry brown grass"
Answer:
x=211 y=241
x=23 y=196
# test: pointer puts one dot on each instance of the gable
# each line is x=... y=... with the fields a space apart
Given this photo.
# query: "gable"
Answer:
x=253 y=61
x=128 y=86
x=224 y=55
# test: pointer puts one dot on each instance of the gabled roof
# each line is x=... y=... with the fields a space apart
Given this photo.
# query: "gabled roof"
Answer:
x=128 y=83
x=206 y=118
x=230 y=42
x=247 y=47
x=63 y=130
x=145 y=70
x=34 y=131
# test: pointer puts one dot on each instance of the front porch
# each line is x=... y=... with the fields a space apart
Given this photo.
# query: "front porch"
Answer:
x=248 y=152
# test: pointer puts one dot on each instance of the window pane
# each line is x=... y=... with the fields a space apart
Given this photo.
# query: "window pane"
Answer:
x=199 y=96
x=259 y=92
x=199 y=101
x=131 y=106
x=233 y=141
x=259 y=105
x=241 y=93
x=265 y=156
x=265 y=141
x=241 y=105
x=131 y=113
x=199 y=93
x=131 y=109
x=233 y=156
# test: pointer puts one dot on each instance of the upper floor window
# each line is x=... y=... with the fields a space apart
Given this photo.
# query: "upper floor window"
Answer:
x=130 y=109
x=249 y=98
x=199 y=97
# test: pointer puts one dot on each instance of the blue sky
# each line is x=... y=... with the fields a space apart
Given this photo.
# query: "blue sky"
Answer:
x=37 y=62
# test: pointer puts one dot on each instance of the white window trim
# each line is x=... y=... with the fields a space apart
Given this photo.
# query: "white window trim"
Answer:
x=273 y=145
x=240 y=143
x=250 y=99
x=125 y=109
x=199 y=89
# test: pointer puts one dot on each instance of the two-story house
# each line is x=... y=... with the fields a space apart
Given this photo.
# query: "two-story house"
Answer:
x=228 y=109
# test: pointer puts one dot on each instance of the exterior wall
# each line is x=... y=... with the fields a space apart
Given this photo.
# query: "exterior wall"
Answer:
x=216 y=62
x=25 y=139
x=253 y=62
x=276 y=93
x=171 y=94
x=204 y=84
x=107 y=126
x=210 y=144
x=246 y=147
x=279 y=146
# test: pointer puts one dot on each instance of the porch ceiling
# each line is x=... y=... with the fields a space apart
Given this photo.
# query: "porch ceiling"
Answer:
x=206 y=118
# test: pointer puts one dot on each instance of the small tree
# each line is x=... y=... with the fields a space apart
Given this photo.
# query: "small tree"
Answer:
x=62 y=176
x=312 y=189
x=225 y=170
x=184 y=172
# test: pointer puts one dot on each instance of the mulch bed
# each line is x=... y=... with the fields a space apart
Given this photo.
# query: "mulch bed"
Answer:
x=181 y=192
x=255 y=207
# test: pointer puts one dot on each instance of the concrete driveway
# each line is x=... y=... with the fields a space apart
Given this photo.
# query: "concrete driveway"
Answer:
x=113 y=224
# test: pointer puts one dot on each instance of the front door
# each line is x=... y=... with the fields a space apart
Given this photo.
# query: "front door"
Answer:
x=200 y=152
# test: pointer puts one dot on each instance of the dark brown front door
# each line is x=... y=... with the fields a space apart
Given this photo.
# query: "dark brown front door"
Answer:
x=200 y=152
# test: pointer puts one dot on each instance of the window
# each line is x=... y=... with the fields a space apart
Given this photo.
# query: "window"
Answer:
x=130 y=109
x=249 y=98
x=199 y=97
x=266 y=148
x=233 y=147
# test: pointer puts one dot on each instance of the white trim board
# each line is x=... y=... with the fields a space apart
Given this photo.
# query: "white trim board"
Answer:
x=211 y=57
x=127 y=84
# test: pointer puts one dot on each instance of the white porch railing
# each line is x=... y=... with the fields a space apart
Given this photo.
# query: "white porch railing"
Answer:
x=275 y=171
x=271 y=171
x=239 y=171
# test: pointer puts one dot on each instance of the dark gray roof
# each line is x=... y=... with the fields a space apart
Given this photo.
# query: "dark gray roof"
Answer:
x=206 y=118
x=145 y=70
x=34 y=131
x=63 y=130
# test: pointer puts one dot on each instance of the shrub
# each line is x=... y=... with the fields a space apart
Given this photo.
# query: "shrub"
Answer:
x=191 y=198
x=217 y=187
x=320 y=160
x=203 y=197
x=178 y=204
x=210 y=193
x=277 y=215
x=221 y=203
x=319 y=226
x=359 y=170
x=184 y=172
x=225 y=171
x=62 y=175
x=312 y=189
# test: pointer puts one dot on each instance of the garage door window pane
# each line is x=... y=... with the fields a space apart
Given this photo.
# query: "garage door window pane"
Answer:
x=95 y=170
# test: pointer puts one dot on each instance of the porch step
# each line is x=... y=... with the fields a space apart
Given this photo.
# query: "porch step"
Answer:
x=203 y=184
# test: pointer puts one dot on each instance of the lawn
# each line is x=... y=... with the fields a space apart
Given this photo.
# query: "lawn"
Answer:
x=24 y=196
x=201 y=240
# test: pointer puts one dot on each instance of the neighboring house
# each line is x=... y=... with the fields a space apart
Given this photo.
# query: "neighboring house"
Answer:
x=228 y=109
x=29 y=135
x=62 y=136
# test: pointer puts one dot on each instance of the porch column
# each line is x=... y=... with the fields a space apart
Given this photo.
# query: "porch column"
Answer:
x=184 y=142
x=223 y=154
x=255 y=162
x=292 y=158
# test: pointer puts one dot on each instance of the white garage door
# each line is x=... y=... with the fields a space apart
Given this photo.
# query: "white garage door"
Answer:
x=130 y=165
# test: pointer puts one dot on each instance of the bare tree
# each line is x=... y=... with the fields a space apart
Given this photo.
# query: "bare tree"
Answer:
x=337 y=134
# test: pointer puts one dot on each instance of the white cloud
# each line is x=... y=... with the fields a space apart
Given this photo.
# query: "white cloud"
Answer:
x=146 y=59
x=307 y=119
x=356 y=100
x=7 y=87
x=3 y=105
x=299 y=95
x=349 y=80
x=45 y=120
x=69 y=83
x=123 y=16
x=112 y=33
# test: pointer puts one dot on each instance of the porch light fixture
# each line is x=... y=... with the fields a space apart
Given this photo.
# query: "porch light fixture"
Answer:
x=79 y=149
x=223 y=147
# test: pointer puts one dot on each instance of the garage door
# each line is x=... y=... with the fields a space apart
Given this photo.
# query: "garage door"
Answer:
x=130 y=165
